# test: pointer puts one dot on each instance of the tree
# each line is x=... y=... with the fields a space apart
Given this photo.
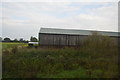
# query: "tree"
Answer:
x=33 y=39
x=21 y=40
x=15 y=40
x=7 y=39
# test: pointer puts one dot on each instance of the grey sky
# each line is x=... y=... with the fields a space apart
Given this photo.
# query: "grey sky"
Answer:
x=24 y=19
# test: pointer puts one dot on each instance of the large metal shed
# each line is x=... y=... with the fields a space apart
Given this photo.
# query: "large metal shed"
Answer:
x=67 y=37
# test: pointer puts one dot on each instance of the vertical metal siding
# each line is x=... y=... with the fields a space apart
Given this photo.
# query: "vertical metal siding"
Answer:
x=62 y=40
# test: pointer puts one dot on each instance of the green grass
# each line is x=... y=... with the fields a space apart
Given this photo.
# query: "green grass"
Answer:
x=58 y=63
x=92 y=60
x=79 y=73
x=0 y=49
x=8 y=45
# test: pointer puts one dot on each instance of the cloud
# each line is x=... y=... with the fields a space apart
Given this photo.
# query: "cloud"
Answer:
x=25 y=19
x=60 y=0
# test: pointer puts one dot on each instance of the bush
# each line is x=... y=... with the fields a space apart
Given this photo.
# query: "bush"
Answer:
x=97 y=41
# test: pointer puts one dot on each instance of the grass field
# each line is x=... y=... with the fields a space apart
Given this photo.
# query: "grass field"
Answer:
x=9 y=45
x=98 y=61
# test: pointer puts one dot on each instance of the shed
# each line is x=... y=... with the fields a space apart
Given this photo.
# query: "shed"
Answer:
x=67 y=37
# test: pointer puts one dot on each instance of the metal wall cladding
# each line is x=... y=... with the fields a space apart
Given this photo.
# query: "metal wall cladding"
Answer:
x=62 y=40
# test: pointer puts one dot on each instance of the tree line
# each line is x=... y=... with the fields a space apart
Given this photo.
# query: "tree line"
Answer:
x=7 y=39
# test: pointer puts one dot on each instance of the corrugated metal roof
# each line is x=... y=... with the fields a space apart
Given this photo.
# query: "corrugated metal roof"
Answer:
x=75 y=32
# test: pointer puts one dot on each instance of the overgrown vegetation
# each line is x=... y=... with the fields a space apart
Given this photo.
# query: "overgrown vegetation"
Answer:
x=96 y=58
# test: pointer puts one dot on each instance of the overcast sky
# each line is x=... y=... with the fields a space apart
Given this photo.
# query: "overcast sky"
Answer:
x=24 y=19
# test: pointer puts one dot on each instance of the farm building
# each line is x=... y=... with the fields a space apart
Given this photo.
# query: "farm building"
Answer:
x=67 y=37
